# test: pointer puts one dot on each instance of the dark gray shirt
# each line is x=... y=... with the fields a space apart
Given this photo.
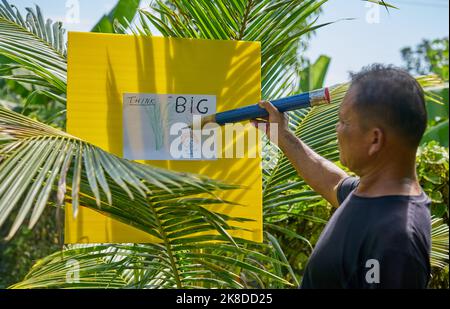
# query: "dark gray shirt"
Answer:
x=380 y=242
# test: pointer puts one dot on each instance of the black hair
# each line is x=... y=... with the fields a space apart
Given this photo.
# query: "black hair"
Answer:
x=393 y=97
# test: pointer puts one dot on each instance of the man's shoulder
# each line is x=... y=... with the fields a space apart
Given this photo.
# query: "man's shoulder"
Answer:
x=345 y=187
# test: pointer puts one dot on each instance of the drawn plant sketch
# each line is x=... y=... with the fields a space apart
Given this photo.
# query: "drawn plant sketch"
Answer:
x=159 y=118
x=147 y=119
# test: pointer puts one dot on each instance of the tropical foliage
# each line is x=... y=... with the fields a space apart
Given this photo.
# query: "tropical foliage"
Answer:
x=429 y=56
x=432 y=167
x=432 y=57
x=41 y=166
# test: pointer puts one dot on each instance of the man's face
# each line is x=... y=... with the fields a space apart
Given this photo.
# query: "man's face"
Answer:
x=352 y=138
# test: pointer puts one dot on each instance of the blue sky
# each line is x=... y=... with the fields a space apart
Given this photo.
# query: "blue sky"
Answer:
x=356 y=43
x=351 y=44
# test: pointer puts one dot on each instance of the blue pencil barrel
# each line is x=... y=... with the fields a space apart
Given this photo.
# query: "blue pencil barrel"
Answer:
x=303 y=100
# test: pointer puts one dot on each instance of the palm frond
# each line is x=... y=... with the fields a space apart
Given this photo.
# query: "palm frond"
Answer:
x=34 y=44
x=191 y=262
x=37 y=161
x=383 y=3
x=439 y=243
x=281 y=26
x=312 y=76
x=119 y=17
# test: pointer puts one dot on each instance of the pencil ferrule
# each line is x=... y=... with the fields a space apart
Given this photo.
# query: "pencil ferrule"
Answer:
x=319 y=97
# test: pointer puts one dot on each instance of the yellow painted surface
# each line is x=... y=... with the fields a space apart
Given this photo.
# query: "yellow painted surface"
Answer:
x=102 y=67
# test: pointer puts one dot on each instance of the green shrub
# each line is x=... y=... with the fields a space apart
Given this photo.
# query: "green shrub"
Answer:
x=432 y=170
x=18 y=255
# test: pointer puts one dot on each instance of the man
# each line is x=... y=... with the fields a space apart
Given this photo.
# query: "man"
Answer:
x=379 y=237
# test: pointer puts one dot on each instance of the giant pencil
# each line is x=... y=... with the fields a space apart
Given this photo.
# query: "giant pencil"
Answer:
x=303 y=100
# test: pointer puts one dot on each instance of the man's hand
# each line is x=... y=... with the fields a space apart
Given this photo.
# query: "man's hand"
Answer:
x=275 y=125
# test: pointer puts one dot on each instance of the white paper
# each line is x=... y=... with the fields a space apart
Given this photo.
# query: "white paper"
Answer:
x=148 y=118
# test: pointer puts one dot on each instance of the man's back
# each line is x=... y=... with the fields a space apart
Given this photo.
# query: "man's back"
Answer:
x=381 y=242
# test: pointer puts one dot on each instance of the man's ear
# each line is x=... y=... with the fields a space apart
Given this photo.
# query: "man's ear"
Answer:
x=377 y=141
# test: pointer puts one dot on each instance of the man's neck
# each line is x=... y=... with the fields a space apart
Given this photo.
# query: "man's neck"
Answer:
x=389 y=178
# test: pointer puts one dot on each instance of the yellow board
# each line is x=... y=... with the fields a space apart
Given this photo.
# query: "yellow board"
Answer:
x=102 y=67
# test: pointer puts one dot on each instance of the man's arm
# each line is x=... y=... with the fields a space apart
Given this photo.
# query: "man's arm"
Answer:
x=319 y=173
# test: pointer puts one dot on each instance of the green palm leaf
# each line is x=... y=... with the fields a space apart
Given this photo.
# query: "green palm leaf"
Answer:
x=280 y=26
x=34 y=44
x=38 y=161
x=121 y=14
x=313 y=75
x=439 y=243
x=191 y=262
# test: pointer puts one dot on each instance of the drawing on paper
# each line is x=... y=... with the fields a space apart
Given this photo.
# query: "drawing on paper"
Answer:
x=147 y=119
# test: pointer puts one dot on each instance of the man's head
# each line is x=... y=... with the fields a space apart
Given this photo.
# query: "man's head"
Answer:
x=383 y=114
